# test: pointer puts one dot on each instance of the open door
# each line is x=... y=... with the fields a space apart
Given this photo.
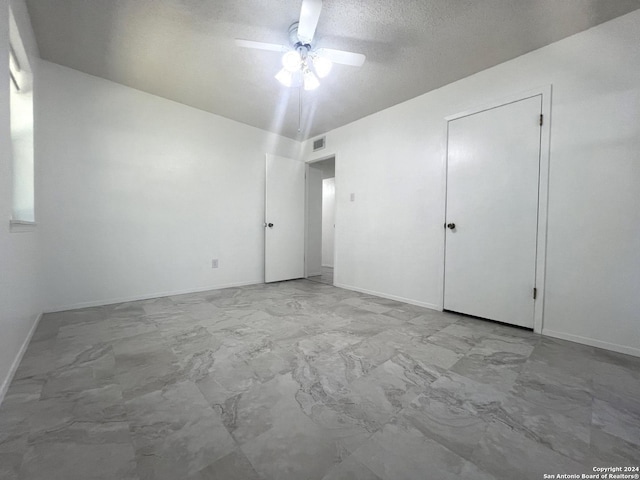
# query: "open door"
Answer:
x=284 y=219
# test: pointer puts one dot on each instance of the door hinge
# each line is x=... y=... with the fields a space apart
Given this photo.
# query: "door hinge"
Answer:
x=535 y=293
x=541 y=119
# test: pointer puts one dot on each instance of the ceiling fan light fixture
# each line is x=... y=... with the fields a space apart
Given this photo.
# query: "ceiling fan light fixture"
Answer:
x=322 y=66
x=291 y=61
x=302 y=64
x=285 y=77
x=310 y=80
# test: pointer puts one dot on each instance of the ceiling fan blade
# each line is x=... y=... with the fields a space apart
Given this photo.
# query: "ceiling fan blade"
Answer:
x=309 y=16
x=342 y=57
x=261 y=45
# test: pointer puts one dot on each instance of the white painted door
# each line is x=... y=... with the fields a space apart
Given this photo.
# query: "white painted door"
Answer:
x=493 y=168
x=284 y=219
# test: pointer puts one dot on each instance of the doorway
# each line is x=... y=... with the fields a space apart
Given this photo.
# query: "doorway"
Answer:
x=321 y=207
x=495 y=219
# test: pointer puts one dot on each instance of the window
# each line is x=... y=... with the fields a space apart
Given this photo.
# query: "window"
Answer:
x=21 y=105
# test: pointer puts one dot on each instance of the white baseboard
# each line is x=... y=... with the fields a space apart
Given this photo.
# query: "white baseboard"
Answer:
x=16 y=361
x=545 y=331
x=410 y=301
x=592 y=342
x=328 y=266
x=111 y=301
x=314 y=274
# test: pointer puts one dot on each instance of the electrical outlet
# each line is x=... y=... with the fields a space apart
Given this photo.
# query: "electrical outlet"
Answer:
x=353 y=197
x=214 y=263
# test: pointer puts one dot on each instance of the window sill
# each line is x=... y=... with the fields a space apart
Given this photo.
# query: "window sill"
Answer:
x=21 y=226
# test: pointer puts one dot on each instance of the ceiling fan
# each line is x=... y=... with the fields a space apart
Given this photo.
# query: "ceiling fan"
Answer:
x=302 y=63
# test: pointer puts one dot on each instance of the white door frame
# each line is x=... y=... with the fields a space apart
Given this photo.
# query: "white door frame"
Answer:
x=543 y=189
x=306 y=209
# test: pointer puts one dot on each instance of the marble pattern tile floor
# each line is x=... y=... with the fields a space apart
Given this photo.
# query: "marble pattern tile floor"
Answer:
x=301 y=380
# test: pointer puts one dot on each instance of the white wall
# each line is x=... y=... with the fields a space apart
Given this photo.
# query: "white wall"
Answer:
x=20 y=302
x=390 y=240
x=328 y=220
x=314 y=222
x=140 y=193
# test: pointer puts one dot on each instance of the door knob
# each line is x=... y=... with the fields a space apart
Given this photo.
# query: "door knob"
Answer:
x=451 y=225
x=270 y=225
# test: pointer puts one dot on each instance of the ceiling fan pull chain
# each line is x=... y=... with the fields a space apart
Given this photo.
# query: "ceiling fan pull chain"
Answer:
x=299 y=109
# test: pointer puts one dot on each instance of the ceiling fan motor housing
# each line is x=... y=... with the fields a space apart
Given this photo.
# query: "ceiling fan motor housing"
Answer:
x=294 y=40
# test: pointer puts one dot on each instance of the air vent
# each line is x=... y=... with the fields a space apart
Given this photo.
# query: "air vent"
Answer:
x=319 y=144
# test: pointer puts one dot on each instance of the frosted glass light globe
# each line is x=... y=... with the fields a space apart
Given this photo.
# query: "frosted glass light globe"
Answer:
x=285 y=77
x=311 y=82
x=291 y=61
x=322 y=66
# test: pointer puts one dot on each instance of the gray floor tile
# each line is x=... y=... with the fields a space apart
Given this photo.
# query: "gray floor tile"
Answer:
x=234 y=466
x=495 y=360
x=564 y=430
x=617 y=382
x=292 y=449
x=303 y=380
x=72 y=461
x=350 y=469
x=257 y=410
x=617 y=420
x=439 y=417
x=431 y=355
x=400 y=452
x=508 y=454
x=608 y=450
x=175 y=432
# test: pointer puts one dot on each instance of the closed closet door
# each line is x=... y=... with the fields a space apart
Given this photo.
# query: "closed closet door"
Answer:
x=493 y=168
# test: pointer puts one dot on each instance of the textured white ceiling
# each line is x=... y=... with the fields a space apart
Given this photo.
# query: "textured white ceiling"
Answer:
x=183 y=49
